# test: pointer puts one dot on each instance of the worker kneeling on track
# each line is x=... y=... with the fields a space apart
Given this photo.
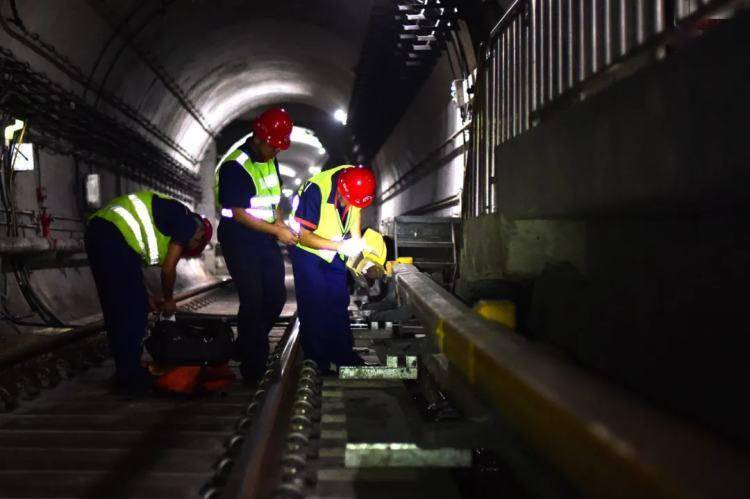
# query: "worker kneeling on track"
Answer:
x=247 y=189
x=328 y=210
x=133 y=230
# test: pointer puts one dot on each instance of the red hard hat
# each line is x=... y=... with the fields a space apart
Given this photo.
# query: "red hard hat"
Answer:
x=208 y=232
x=357 y=185
x=274 y=128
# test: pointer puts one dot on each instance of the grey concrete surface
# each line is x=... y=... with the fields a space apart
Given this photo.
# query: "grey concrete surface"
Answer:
x=629 y=211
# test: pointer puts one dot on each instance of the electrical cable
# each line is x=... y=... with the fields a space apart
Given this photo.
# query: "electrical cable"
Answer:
x=65 y=124
x=21 y=273
x=109 y=42
x=47 y=51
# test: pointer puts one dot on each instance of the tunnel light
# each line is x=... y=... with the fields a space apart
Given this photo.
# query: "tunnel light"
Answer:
x=287 y=192
x=314 y=170
x=23 y=157
x=93 y=191
x=340 y=116
x=301 y=135
x=287 y=171
x=297 y=181
x=11 y=130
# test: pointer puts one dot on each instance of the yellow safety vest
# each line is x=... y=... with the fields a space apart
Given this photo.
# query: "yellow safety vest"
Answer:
x=266 y=181
x=330 y=225
x=133 y=215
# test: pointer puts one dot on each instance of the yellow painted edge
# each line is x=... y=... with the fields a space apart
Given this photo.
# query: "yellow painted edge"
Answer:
x=601 y=468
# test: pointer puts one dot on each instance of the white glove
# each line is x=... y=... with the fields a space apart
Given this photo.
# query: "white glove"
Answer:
x=352 y=247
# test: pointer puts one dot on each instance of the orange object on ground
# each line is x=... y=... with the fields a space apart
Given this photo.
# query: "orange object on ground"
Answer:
x=189 y=379
x=179 y=380
x=217 y=378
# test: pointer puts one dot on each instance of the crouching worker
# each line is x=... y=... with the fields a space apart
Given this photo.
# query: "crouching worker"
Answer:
x=328 y=211
x=138 y=229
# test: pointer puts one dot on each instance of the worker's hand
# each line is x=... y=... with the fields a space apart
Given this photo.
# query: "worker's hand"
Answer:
x=154 y=303
x=168 y=308
x=351 y=247
x=286 y=236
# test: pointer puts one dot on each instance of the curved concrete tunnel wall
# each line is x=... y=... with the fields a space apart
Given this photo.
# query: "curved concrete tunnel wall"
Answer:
x=228 y=65
x=429 y=121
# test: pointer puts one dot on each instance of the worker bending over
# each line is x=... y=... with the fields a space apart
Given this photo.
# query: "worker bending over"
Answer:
x=247 y=189
x=329 y=210
x=138 y=229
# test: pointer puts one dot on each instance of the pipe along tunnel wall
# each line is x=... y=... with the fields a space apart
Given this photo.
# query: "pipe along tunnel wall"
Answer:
x=628 y=212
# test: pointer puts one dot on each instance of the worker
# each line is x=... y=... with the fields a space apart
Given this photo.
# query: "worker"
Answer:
x=247 y=189
x=133 y=230
x=329 y=210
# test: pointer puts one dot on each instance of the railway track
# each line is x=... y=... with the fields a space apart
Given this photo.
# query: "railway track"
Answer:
x=285 y=437
x=74 y=438
x=448 y=406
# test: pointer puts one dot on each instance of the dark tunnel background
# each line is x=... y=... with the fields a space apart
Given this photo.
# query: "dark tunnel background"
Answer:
x=617 y=222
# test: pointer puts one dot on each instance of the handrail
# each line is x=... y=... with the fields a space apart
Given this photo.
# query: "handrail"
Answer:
x=506 y=17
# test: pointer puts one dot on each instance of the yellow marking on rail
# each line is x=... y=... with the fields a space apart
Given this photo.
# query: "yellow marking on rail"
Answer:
x=600 y=464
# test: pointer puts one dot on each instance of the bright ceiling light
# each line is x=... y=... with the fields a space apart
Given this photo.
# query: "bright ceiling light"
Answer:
x=340 y=116
x=314 y=170
x=297 y=181
x=287 y=171
x=301 y=135
x=287 y=192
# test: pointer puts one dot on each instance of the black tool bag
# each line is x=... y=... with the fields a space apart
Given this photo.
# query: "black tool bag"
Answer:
x=190 y=342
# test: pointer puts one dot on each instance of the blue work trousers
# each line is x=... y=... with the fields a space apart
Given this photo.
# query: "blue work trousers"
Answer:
x=258 y=274
x=322 y=305
x=118 y=274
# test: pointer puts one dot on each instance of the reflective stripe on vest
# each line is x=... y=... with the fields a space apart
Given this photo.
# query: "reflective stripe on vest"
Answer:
x=132 y=223
x=133 y=215
x=329 y=224
x=148 y=227
x=255 y=212
x=265 y=178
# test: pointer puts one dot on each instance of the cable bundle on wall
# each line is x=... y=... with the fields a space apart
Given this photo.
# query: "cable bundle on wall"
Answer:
x=7 y=196
x=63 y=123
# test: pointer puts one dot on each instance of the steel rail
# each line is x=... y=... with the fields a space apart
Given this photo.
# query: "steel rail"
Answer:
x=608 y=443
x=256 y=472
x=63 y=338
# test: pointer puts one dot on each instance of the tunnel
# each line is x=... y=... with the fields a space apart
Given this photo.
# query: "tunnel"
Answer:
x=560 y=307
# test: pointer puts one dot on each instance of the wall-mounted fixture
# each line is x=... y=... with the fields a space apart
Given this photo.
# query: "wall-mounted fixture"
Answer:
x=93 y=191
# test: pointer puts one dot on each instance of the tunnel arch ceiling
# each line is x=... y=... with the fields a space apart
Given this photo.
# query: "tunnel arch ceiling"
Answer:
x=229 y=57
x=232 y=59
